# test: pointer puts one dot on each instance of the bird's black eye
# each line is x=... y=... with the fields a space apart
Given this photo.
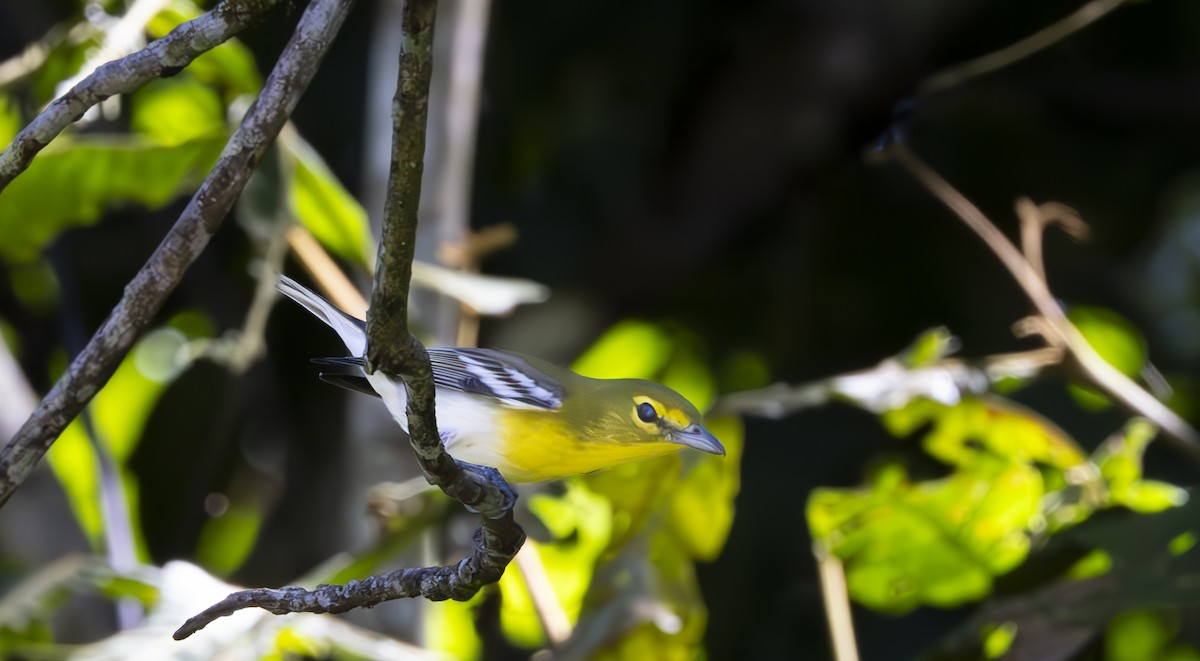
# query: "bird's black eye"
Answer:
x=646 y=412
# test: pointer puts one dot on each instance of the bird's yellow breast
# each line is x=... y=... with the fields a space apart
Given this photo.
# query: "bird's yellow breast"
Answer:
x=540 y=445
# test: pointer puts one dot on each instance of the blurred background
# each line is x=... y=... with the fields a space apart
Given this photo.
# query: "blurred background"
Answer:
x=690 y=183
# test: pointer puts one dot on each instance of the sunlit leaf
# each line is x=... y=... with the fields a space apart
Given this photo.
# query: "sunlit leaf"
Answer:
x=118 y=414
x=75 y=180
x=10 y=119
x=450 y=628
x=581 y=522
x=1113 y=336
x=291 y=643
x=176 y=111
x=669 y=618
x=229 y=65
x=75 y=465
x=126 y=587
x=702 y=505
x=1096 y=563
x=929 y=347
x=649 y=642
x=1116 y=340
x=1135 y=636
x=630 y=349
x=977 y=427
x=319 y=201
x=998 y=639
x=1182 y=543
x=227 y=540
x=939 y=542
x=634 y=490
x=1120 y=462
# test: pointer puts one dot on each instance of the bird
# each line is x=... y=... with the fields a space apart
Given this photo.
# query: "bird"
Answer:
x=529 y=419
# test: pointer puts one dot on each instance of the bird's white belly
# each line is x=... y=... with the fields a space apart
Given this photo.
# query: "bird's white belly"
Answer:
x=466 y=422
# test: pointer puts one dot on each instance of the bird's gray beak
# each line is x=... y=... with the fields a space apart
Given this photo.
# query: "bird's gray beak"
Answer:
x=699 y=438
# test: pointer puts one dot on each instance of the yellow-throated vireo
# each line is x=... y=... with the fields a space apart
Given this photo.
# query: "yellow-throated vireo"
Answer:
x=527 y=418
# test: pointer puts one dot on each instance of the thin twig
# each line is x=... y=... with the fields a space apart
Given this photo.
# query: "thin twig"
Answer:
x=837 y=603
x=185 y=241
x=549 y=609
x=1047 y=36
x=1059 y=330
x=163 y=57
x=892 y=384
x=1036 y=218
x=328 y=275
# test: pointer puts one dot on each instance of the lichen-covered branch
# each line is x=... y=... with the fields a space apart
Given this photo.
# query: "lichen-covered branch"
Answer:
x=163 y=57
x=185 y=241
x=459 y=581
x=392 y=347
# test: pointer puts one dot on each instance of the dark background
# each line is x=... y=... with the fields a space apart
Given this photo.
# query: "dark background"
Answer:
x=703 y=162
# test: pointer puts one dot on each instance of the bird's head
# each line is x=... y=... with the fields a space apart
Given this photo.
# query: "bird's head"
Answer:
x=646 y=412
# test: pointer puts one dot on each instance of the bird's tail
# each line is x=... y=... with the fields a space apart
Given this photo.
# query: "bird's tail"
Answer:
x=351 y=330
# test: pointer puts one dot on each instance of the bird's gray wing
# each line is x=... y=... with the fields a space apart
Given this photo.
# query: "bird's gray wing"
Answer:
x=488 y=372
x=492 y=373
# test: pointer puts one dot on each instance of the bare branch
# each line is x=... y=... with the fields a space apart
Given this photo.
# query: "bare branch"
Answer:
x=183 y=243
x=891 y=384
x=459 y=581
x=163 y=57
x=1040 y=40
x=1036 y=218
x=1059 y=331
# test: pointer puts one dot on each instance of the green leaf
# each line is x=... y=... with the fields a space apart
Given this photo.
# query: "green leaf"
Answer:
x=581 y=522
x=177 y=111
x=929 y=347
x=229 y=65
x=981 y=427
x=450 y=627
x=227 y=540
x=1120 y=462
x=118 y=412
x=1135 y=636
x=937 y=543
x=1114 y=337
x=630 y=349
x=1117 y=341
x=319 y=201
x=1182 y=543
x=76 y=179
x=701 y=507
x=998 y=639
x=1096 y=563
x=10 y=119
